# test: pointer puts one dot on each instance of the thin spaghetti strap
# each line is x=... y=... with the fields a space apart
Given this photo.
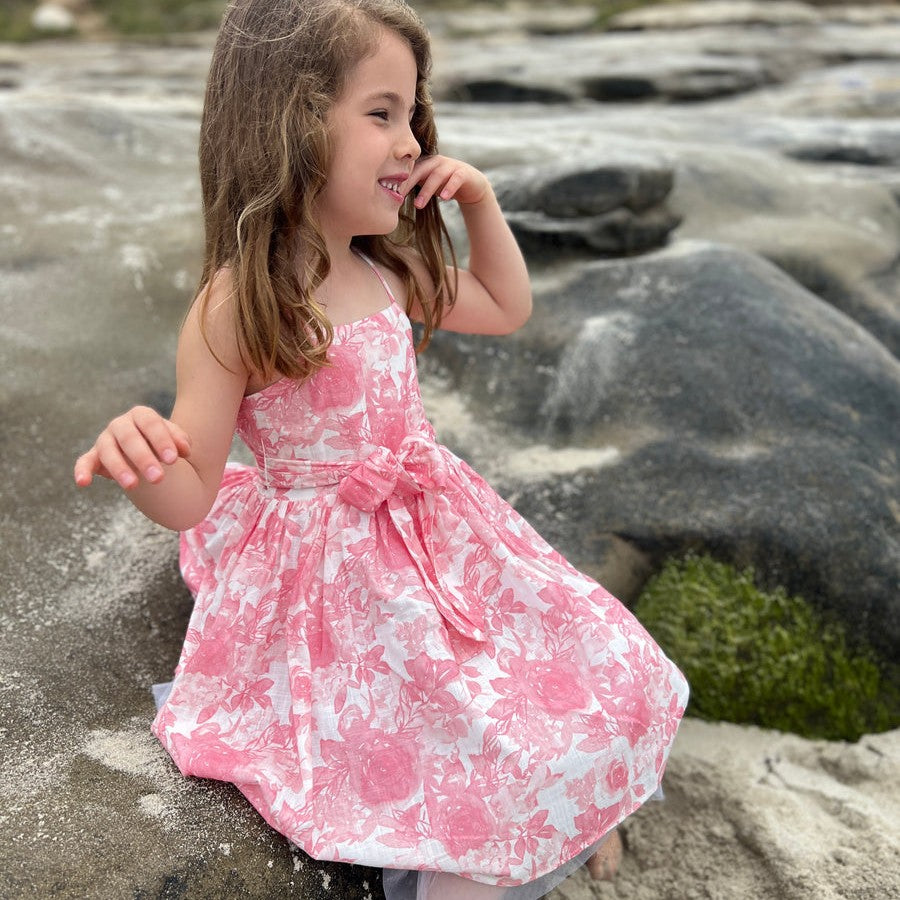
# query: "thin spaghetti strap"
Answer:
x=377 y=272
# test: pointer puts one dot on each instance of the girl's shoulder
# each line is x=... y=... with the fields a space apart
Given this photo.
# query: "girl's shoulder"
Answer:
x=218 y=292
x=396 y=284
x=395 y=277
x=213 y=306
x=211 y=319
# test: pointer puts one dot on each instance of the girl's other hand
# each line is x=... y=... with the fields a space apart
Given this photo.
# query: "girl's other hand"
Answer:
x=139 y=441
x=448 y=179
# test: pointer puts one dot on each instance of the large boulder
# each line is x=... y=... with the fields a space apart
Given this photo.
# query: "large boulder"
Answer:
x=726 y=176
x=836 y=233
x=738 y=412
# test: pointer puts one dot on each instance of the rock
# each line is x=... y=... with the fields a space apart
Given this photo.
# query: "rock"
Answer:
x=617 y=233
x=8 y=70
x=600 y=67
x=504 y=90
x=672 y=65
x=865 y=90
x=94 y=808
x=876 y=13
x=52 y=17
x=565 y=191
x=841 y=242
x=511 y=19
x=756 y=13
x=738 y=411
x=715 y=12
x=681 y=78
x=833 y=227
x=611 y=210
x=859 y=153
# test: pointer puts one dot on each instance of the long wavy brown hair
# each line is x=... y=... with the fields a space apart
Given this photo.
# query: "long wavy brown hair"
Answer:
x=277 y=68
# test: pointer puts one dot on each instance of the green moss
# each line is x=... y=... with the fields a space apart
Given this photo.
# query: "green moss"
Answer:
x=152 y=18
x=764 y=658
x=15 y=22
x=155 y=17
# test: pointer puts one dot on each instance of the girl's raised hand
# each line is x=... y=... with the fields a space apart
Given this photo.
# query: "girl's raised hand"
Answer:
x=139 y=441
x=448 y=179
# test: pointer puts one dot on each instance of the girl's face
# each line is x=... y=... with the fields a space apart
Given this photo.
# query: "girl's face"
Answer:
x=373 y=147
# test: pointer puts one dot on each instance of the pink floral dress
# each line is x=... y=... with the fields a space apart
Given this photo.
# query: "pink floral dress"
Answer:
x=387 y=660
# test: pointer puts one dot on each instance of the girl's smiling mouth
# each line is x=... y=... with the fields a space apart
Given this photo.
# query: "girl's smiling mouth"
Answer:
x=392 y=185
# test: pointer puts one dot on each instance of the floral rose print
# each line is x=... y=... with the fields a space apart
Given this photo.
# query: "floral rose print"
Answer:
x=387 y=770
x=463 y=823
x=558 y=686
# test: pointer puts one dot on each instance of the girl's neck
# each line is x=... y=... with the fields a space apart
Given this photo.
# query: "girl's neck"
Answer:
x=344 y=266
x=350 y=291
x=344 y=258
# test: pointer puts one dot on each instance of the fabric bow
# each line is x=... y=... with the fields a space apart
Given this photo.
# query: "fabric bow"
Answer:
x=410 y=486
x=416 y=466
x=418 y=470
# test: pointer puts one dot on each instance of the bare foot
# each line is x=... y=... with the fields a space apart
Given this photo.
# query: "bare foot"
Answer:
x=604 y=864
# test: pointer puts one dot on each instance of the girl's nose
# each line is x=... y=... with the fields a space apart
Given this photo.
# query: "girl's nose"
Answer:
x=408 y=146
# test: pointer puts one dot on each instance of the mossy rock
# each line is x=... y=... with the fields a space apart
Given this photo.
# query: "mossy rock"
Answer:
x=764 y=658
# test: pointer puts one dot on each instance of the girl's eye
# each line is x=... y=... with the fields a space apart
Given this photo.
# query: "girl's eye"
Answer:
x=380 y=114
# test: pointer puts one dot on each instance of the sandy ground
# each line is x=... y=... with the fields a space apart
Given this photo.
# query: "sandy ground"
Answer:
x=758 y=815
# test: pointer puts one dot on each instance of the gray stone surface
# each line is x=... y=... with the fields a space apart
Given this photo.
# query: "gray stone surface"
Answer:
x=714 y=57
x=684 y=15
x=833 y=226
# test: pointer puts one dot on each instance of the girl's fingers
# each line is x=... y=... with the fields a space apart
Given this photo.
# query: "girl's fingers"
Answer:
x=143 y=443
x=181 y=438
x=112 y=456
x=448 y=179
x=439 y=184
x=165 y=439
x=429 y=180
x=139 y=442
x=451 y=185
x=86 y=467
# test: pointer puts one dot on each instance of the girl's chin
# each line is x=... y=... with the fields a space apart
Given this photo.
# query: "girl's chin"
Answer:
x=386 y=228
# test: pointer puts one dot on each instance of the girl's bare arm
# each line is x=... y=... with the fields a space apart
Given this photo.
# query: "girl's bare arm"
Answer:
x=171 y=469
x=494 y=293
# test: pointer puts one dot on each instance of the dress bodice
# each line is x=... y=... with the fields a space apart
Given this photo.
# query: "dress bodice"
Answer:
x=367 y=397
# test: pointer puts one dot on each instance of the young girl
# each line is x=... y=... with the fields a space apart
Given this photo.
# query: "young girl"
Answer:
x=391 y=665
